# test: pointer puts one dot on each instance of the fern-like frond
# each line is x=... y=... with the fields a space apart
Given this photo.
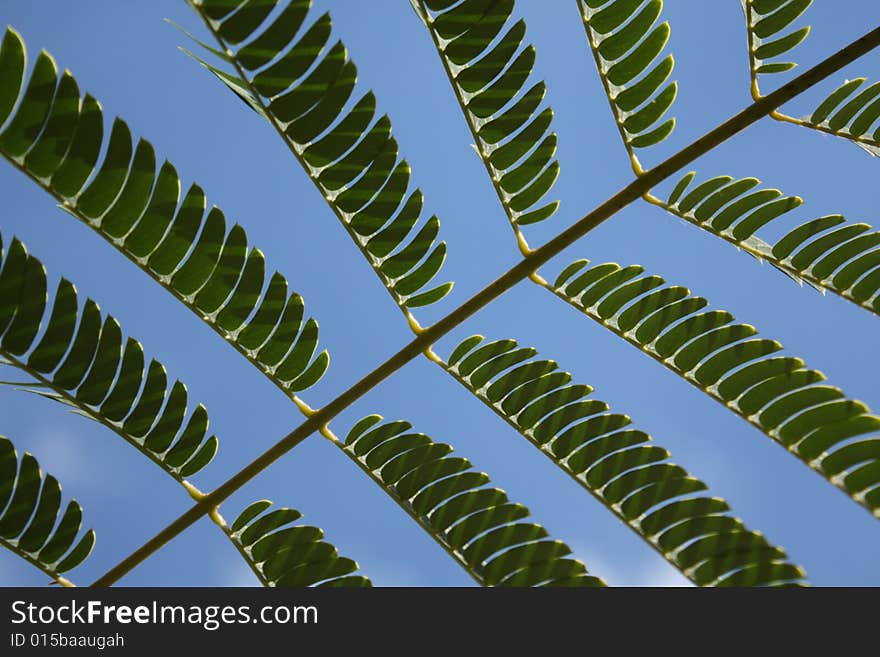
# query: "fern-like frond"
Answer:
x=55 y=137
x=303 y=86
x=78 y=359
x=284 y=554
x=83 y=360
x=850 y=112
x=30 y=504
x=487 y=534
x=482 y=51
x=829 y=253
x=192 y=254
x=777 y=394
x=628 y=45
x=772 y=35
x=633 y=478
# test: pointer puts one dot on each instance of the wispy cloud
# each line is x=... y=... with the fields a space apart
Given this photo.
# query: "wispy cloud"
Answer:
x=652 y=571
x=393 y=574
x=57 y=451
x=235 y=572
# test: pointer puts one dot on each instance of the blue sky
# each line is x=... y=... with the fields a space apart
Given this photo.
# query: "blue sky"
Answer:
x=127 y=57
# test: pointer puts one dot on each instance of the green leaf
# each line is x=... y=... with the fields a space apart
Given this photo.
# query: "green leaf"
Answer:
x=592 y=445
x=721 y=358
x=47 y=154
x=779 y=46
x=29 y=525
x=850 y=116
x=768 y=19
x=284 y=554
x=12 y=65
x=98 y=376
x=780 y=19
x=834 y=100
x=139 y=211
x=827 y=252
x=854 y=118
x=308 y=89
x=24 y=128
x=627 y=43
x=481 y=48
x=474 y=523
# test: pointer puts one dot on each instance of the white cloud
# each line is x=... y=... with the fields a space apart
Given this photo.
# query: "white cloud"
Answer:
x=652 y=571
x=56 y=449
x=393 y=574
x=235 y=572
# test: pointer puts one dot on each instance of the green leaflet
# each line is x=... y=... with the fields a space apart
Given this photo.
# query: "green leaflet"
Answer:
x=769 y=24
x=775 y=393
x=827 y=252
x=491 y=537
x=619 y=465
x=482 y=50
x=83 y=361
x=189 y=251
x=31 y=523
x=305 y=87
x=285 y=554
x=628 y=44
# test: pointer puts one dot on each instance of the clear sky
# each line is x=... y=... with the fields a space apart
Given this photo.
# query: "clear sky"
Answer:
x=127 y=57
